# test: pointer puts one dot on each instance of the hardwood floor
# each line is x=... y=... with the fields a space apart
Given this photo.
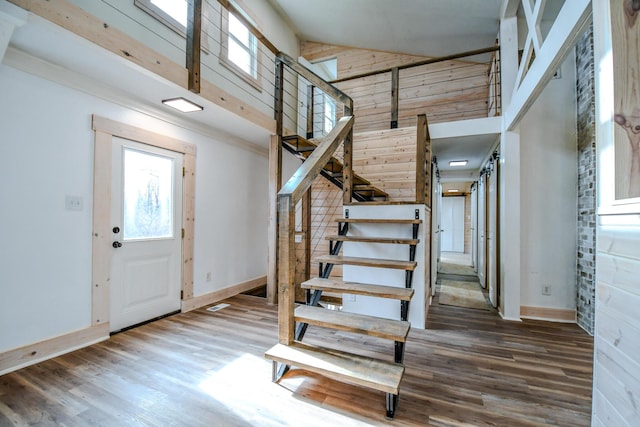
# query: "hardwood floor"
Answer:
x=469 y=368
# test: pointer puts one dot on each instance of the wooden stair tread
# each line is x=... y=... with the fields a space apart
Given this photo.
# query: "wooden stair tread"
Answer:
x=391 y=240
x=379 y=221
x=367 y=262
x=341 y=366
x=395 y=330
x=337 y=285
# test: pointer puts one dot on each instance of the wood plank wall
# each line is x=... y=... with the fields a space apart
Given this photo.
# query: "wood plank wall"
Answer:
x=387 y=158
x=446 y=91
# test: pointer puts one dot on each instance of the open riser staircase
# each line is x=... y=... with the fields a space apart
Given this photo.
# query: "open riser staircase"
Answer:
x=296 y=321
x=350 y=367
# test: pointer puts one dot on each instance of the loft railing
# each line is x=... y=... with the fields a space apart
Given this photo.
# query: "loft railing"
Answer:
x=289 y=77
x=454 y=87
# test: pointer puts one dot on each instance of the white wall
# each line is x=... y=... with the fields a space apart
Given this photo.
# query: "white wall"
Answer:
x=380 y=307
x=47 y=153
x=548 y=195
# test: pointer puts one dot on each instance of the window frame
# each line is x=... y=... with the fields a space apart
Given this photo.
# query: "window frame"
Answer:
x=161 y=16
x=168 y=21
x=255 y=82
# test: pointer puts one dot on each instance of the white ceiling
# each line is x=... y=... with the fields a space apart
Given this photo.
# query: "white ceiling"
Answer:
x=474 y=149
x=422 y=27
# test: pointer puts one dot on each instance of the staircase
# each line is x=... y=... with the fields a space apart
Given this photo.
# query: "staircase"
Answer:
x=350 y=367
x=318 y=157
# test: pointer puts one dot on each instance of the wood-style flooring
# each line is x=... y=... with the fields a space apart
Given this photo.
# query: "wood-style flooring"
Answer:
x=469 y=368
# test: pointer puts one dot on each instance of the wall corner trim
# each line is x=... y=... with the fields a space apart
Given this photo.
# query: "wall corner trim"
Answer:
x=31 y=354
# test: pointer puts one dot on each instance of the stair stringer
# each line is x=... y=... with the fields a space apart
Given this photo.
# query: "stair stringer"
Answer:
x=380 y=307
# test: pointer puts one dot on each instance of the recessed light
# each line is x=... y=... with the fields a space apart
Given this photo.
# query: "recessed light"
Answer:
x=452 y=191
x=182 y=104
x=458 y=162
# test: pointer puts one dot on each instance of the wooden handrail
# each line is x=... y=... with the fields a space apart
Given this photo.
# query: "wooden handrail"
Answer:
x=419 y=63
x=316 y=80
x=288 y=197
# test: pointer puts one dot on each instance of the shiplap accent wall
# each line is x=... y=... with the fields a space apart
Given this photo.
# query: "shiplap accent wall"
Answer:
x=616 y=386
x=387 y=158
x=445 y=91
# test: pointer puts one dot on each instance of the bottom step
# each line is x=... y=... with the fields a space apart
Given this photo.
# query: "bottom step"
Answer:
x=340 y=366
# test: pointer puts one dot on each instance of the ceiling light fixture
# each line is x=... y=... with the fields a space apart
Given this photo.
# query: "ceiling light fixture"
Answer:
x=182 y=104
x=458 y=162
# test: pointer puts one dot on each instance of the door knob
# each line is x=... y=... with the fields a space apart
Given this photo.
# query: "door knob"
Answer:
x=117 y=245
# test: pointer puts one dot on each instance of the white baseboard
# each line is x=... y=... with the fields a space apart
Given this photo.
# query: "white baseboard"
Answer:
x=30 y=354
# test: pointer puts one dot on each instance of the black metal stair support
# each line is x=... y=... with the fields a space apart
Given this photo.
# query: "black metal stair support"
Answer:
x=404 y=305
x=313 y=298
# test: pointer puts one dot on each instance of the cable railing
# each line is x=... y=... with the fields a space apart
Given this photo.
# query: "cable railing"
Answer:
x=450 y=88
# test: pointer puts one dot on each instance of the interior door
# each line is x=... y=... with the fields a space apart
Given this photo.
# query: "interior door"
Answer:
x=492 y=238
x=474 y=227
x=146 y=216
x=436 y=198
x=482 y=229
x=452 y=233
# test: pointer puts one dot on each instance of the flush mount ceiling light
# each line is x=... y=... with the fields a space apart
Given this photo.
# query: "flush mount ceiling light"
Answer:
x=452 y=191
x=458 y=162
x=182 y=104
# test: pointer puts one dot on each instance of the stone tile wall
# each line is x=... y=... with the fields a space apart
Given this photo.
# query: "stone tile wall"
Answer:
x=586 y=181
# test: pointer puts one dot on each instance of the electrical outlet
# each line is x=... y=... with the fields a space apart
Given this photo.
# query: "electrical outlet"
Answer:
x=208 y=276
x=546 y=289
x=73 y=203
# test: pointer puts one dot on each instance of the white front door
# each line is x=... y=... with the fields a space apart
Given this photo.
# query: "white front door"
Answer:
x=452 y=233
x=146 y=218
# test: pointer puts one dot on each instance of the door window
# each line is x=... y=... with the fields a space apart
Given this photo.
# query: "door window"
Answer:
x=148 y=196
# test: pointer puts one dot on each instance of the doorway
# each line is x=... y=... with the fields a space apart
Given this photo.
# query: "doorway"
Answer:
x=110 y=138
x=452 y=217
x=146 y=219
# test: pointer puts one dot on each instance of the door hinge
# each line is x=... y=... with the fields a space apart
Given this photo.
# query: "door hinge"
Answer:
x=184 y=172
x=181 y=295
x=183 y=233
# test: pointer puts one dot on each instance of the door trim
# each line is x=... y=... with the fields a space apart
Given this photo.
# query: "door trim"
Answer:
x=105 y=130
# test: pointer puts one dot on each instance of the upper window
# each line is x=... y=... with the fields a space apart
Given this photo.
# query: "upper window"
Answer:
x=243 y=47
x=239 y=48
x=173 y=13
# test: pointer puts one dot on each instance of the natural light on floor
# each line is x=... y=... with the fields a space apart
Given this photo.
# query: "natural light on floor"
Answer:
x=247 y=380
